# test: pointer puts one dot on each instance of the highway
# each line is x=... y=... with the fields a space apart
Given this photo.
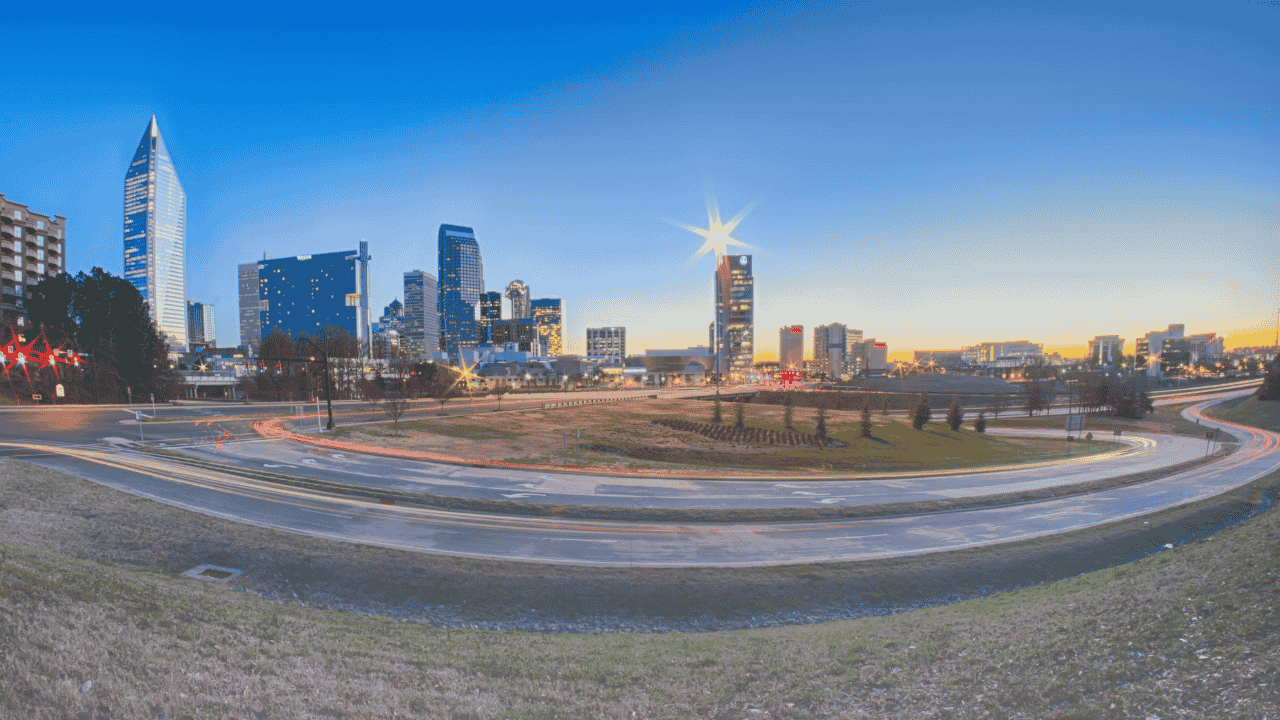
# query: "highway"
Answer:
x=639 y=544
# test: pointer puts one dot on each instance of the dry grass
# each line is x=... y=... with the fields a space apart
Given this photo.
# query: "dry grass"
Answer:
x=625 y=436
x=89 y=592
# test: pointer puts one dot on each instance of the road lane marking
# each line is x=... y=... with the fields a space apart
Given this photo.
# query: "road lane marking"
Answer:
x=828 y=501
x=292 y=467
x=857 y=537
x=520 y=495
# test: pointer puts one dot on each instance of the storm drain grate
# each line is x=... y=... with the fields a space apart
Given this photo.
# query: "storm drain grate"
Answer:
x=206 y=571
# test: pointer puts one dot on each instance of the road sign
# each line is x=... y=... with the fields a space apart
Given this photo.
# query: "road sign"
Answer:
x=1209 y=435
x=59 y=390
x=37 y=398
x=1075 y=423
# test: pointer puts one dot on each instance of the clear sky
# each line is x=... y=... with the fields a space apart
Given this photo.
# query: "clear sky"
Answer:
x=935 y=174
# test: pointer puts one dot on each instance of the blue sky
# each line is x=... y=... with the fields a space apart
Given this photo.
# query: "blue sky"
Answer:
x=931 y=173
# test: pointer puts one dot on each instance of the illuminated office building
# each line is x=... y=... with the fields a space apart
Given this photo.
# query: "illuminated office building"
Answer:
x=460 y=285
x=308 y=294
x=155 y=235
x=608 y=342
x=519 y=294
x=421 y=321
x=735 y=317
x=549 y=315
x=490 y=312
x=829 y=343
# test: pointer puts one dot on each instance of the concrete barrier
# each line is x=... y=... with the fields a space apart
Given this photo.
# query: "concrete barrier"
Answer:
x=567 y=403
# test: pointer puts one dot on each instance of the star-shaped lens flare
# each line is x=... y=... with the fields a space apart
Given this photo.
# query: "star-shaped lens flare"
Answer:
x=717 y=235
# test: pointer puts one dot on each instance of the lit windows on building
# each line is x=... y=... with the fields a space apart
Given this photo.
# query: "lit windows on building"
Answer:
x=155 y=235
x=608 y=342
x=549 y=315
x=460 y=284
x=308 y=293
x=30 y=250
x=735 y=316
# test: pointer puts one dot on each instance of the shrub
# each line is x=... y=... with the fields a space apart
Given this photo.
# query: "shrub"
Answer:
x=787 y=407
x=955 y=415
x=822 y=422
x=737 y=413
x=922 y=413
x=866 y=421
x=980 y=425
x=715 y=416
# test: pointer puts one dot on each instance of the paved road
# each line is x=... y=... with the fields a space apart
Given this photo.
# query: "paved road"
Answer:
x=651 y=544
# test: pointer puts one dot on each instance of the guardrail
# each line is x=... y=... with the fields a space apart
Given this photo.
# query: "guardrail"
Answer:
x=597 y=400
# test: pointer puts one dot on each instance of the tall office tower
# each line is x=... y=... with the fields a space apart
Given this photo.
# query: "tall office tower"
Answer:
x=421 y=318
x=200 y=327
x=31 y=249
x=155 y=235
x=607 y=342
x=521 y=331
x=791 y=347
x=461 y=282
x=855 y=360
x=250 y=308
x=735 y=316
x=490 y=312
x=309 y=294
x=518 y=293
x=549 y=314
x=829 y=342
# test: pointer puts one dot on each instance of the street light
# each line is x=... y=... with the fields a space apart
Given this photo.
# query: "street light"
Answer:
x=324 y=356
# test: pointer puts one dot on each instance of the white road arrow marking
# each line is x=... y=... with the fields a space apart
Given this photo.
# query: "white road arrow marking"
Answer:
x=788 y=486
x=805 y=492
x=340 y=456
x=309 y=461
x=828 y=501
x=519 y=495
x=531 y=486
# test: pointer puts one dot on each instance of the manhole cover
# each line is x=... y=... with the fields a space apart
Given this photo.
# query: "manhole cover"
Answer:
x=206 y=571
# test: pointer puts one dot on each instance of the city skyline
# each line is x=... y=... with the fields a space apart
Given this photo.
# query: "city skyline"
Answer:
x=956 y=175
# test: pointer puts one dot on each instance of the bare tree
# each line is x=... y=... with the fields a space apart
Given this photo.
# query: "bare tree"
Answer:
x=397 y=401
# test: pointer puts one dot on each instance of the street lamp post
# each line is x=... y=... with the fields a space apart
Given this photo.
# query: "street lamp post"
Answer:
x=328 y=401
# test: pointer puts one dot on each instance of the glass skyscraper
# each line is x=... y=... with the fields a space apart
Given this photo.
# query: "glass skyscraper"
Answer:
x=735 y=317
x=490 y=312
x=461 y=282
x=549 y=314
x=200 y=323
x=155 y=235
x=421 y=321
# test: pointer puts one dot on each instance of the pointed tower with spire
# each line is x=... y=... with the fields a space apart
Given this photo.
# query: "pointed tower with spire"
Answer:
x=155 y=235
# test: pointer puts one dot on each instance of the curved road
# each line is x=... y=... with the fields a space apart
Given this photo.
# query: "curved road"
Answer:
x=657 y=544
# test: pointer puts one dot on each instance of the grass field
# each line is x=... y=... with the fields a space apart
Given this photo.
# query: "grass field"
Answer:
x=1165 y=419
x=1249 y=411
x=624 y=436
x=89 y=593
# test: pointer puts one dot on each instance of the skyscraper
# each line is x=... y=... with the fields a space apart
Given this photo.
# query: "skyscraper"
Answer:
x=735 y=317
x=490 y=313
x=461 y=282
x=250 y=307
x=518 y=293
x=421 y=319
x=791 y=347
x=155 y=235
x=829 y=342
x=200 y=324
x=549 y=314
x=309 y=294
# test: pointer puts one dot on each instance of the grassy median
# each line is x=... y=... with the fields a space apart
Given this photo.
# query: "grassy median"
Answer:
x=626 y=436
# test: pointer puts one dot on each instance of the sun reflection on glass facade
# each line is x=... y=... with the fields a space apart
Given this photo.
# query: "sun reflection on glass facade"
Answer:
x=155 y=235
